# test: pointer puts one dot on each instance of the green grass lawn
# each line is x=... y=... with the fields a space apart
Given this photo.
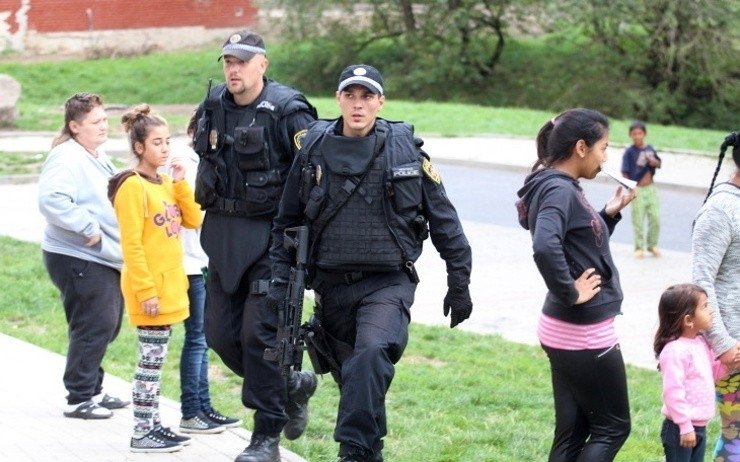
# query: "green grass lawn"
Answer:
x=456 y=397
x=132 y=80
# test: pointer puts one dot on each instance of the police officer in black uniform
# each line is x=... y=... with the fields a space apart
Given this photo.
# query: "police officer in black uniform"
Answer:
x=248 y=132
x=369 y=196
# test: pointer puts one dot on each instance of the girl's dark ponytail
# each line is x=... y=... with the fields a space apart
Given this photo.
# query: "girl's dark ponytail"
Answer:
x=542 y=137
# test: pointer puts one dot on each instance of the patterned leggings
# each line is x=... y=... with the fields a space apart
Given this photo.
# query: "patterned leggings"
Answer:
x=728 y=403
x=152 y=352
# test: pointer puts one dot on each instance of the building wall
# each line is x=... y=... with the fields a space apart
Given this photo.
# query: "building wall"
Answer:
x=54 y=26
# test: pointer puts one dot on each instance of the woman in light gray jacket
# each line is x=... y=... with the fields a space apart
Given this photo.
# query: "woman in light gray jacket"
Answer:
x=716 y=268
x=81 y=250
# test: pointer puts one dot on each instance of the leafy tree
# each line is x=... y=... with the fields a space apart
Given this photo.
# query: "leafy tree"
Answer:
x=683 y=51
x=474 y=32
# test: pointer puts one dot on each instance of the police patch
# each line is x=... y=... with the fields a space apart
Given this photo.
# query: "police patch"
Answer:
x=405 y=171
x=298 y=138
x=267 y=105
x=430 y=171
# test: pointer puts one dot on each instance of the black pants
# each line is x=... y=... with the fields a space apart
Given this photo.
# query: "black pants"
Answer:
x=592 y=417
x=238 y=328
x=373 y=316
x=93 y=305
x=670 y=436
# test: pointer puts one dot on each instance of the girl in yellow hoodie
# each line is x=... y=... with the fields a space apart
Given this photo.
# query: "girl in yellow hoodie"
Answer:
x=151 y=208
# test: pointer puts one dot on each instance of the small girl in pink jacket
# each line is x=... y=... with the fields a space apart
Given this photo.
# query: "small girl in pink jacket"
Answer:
x=689 y=371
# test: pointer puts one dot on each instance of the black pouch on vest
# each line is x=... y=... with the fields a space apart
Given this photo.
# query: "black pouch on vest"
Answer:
x=205 y=183
x=200 y=138
x=406 y=183
x=308 y=181
x=251 y=148
x=313 y=205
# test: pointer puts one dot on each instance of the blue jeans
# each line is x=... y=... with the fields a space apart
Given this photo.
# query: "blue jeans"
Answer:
x=195 y=396
x=674 y=452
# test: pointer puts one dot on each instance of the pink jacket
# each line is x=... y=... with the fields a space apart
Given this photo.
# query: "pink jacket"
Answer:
x=689 y=372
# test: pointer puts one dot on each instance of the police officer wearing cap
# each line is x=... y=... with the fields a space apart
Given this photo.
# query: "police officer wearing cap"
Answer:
x=370 y=196
x=249 y=129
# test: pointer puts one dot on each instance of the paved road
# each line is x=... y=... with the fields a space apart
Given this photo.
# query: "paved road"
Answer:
x=487 y=195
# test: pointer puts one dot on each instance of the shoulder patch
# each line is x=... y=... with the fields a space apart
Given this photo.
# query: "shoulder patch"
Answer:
x=298 y=138
x=430 y=171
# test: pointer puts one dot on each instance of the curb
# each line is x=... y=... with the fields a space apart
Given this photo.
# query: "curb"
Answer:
x=524 y=170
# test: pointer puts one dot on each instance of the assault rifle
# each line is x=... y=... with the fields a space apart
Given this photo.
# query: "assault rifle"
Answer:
x=288 y=352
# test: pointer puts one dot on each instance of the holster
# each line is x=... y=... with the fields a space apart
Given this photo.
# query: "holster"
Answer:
x=325 y=352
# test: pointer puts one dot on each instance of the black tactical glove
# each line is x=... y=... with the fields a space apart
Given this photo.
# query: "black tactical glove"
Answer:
x=276 y=294
x=458 y=301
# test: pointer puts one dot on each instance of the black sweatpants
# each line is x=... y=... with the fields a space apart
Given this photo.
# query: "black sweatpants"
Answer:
x=592 y=416
x=93 y=305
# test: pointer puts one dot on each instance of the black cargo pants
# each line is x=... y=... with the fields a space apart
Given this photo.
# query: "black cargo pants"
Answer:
x=371 y=314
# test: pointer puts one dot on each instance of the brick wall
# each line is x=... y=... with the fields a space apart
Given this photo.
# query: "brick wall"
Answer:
x=85 y=15
x=28 y=24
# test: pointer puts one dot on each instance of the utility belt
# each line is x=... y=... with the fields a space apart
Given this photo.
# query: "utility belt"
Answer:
x=349 y=277
x=258 y=202
x=321 y=277
x=228 y=206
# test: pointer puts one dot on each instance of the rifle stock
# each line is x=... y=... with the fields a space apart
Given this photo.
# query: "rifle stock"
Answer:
x=288 y=352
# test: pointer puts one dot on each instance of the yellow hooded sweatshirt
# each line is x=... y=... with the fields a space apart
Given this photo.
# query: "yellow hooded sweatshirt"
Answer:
x=150 y=214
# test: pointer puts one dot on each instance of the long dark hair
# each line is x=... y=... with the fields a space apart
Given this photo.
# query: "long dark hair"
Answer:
x=676 y=302
x=557 y=138
x=76 y=108
x=733 y=139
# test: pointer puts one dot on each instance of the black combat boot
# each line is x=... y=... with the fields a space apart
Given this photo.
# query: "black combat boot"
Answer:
x=301 y=386
x=262 y=448
x=358 y=455
x=353 y=458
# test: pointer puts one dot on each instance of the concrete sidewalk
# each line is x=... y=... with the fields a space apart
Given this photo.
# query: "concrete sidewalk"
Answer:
x=34 y=429
x=506 y=289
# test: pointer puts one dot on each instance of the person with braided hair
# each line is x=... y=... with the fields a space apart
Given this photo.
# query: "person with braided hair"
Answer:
x=715 y=252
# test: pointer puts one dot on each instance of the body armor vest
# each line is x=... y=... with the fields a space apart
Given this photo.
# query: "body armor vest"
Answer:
x=242 y=170
x=357 y=235
x=379 y=226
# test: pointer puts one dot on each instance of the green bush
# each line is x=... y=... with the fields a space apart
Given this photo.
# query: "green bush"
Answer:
x=548 y=73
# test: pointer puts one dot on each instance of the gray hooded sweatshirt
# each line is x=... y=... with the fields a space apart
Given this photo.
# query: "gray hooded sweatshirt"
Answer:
x=715 y=253
x=73 y=197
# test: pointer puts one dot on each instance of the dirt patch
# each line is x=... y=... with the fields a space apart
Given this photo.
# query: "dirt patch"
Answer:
x=413 y=359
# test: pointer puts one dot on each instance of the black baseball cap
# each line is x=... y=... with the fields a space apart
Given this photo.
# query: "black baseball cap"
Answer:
x=243 y=44
x=361 y=74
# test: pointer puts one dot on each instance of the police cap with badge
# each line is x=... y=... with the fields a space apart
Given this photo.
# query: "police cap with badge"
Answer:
x=243 y=45
x=361 y=74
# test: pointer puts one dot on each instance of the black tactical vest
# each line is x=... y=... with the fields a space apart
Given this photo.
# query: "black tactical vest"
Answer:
x=241 y=171
x=379 y=227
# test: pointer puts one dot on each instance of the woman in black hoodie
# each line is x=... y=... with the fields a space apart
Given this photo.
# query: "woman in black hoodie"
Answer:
x=571 y=249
